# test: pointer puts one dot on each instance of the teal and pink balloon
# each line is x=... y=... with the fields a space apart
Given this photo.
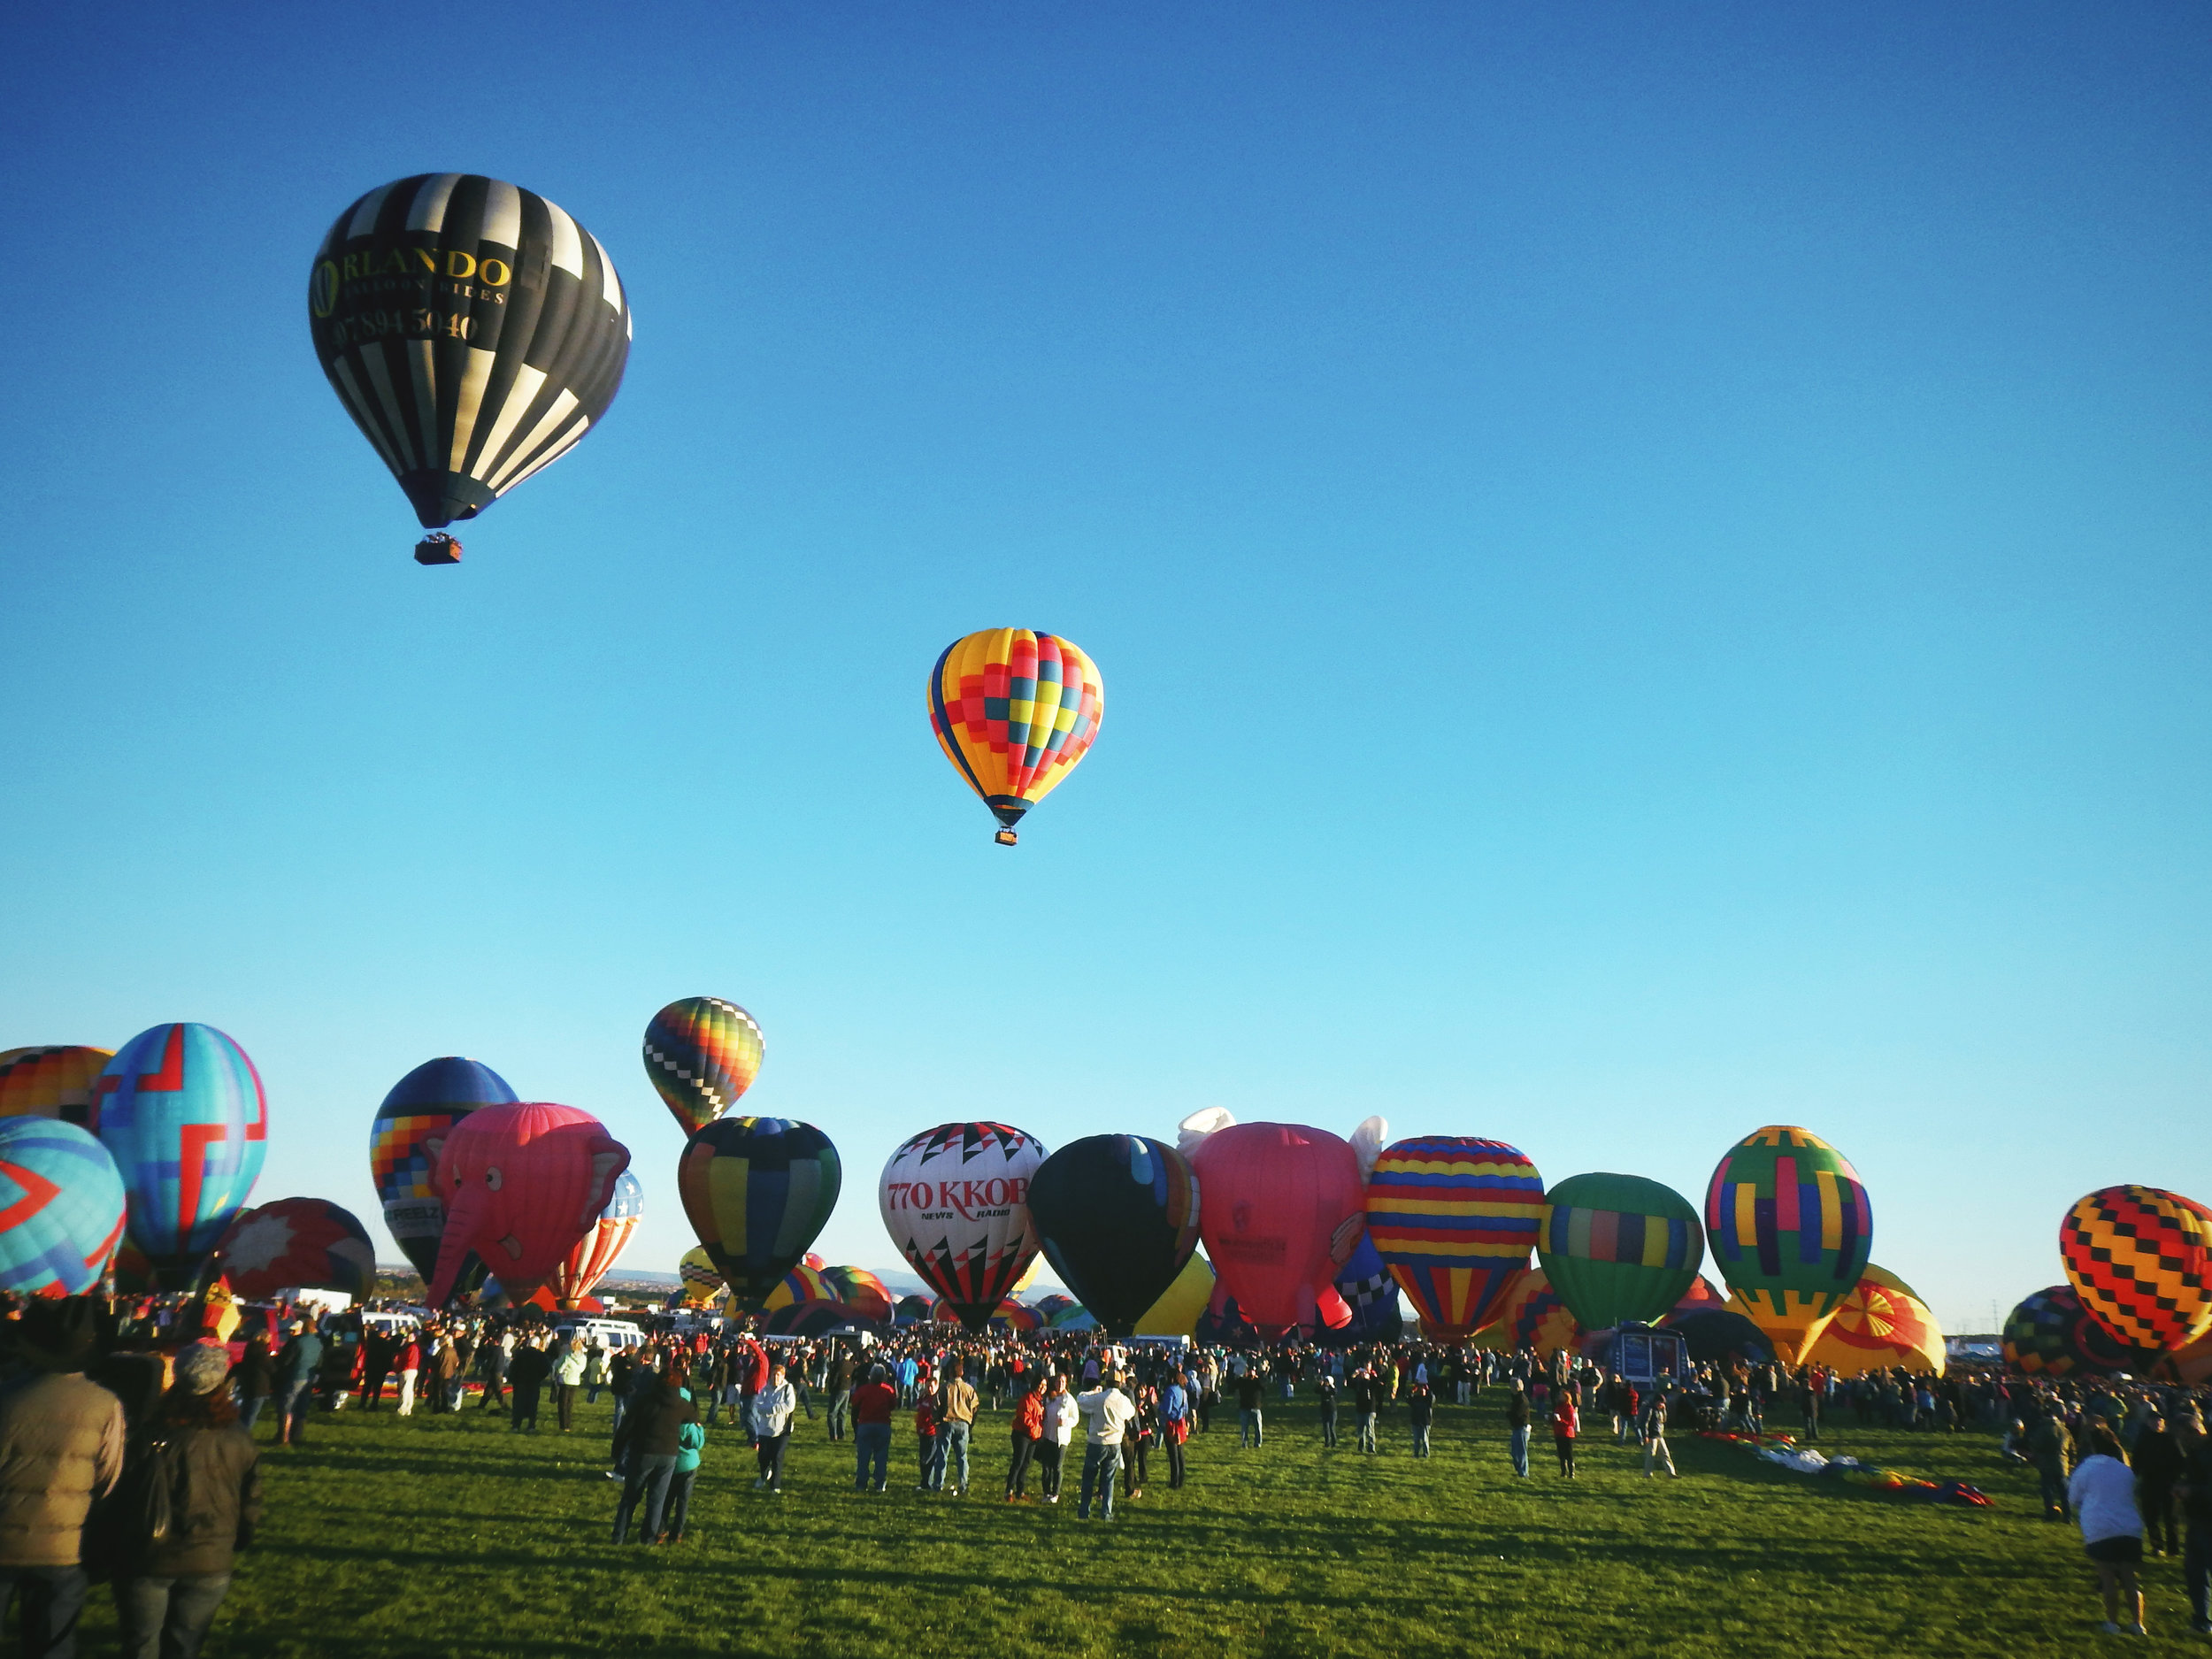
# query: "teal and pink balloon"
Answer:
x=181 y=1111
x=61 y=1207
x=410 y=1130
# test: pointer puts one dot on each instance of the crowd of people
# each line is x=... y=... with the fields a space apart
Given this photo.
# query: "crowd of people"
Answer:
x=109 y=1402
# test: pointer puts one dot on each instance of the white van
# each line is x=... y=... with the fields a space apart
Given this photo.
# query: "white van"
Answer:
x=611 y=1334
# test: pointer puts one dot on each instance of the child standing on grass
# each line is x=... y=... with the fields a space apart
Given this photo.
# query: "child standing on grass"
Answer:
x=1566 y=1423
x=926 y=1441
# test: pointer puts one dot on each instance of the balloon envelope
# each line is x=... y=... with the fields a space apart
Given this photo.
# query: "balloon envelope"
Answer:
x=758 y=1190
x=522 y=1184
x=61 y=1207
x=2051 y=1334
x=56 y=1082
x=2142 y=1261
x=701 y=1278
x=1882 y=1324
x=1014 y=711
x=410 y=1129
x=1367 y=1296
x=1716 y=1335
x=955 y=1200
x=1177 y=1311
x=1275 y=1200
x=1454 y=1220
x=182 y=1114
x=1618 y=1248
x=602 y=1246
x=297 y=1243
x=1534 y=1319
x=860 y=1290
x=701 y=1054
x=472 y=330
x=1117 y=1217
x=1790 y=1227
x=801 y=1284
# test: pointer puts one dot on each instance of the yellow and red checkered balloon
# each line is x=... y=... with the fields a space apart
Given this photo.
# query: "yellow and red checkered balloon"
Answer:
x=2142 y=1261
x=1014 y=711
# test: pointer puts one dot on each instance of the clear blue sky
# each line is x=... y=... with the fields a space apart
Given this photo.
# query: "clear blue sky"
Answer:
x=1649 y=564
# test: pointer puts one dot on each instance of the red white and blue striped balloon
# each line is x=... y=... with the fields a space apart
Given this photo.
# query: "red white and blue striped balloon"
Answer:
x=61 y=1207
x=182 y=1114
x=1454 y=1220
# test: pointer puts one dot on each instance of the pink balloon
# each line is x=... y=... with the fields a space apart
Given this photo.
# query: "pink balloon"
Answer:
x=1274 y=1201
x=522 y=1184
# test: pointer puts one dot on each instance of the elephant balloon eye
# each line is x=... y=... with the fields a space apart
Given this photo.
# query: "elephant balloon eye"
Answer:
x=491 y=1179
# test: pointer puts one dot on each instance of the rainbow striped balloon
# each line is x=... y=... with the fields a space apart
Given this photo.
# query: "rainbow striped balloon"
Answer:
x=702 y=1055
x=1790 y=1227
x=1454 y=1219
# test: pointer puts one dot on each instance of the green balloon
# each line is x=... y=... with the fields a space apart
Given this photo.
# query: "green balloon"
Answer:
x=1619 y=1249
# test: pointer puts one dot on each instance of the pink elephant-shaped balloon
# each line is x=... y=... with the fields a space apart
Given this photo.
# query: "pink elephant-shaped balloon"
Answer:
x=1280 y=1208
x=521 y=1184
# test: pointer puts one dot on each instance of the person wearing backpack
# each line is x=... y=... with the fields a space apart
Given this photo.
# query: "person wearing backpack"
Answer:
x=193 y=1501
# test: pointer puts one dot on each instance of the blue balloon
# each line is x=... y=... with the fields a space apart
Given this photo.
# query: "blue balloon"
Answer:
x=61 y=1207
x=182 y=1114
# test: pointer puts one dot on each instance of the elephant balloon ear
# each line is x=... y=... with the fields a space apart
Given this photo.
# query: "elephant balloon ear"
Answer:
x=1368 y=1141
x=1206 y=1121
x=609 y=1158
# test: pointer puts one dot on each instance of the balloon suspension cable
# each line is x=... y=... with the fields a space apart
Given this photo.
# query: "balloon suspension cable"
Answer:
x=1004 y=838
x=438 y=548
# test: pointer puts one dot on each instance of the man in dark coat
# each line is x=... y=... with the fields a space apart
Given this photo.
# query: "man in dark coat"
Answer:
x=647 y=1446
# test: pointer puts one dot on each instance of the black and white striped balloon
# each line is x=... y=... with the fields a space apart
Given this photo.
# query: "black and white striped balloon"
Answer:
x=474 y=331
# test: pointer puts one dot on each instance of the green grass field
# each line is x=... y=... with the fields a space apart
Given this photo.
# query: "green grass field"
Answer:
x=450 y=1535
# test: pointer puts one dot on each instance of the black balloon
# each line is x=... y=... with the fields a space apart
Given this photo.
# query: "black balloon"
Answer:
x=1118 y=1218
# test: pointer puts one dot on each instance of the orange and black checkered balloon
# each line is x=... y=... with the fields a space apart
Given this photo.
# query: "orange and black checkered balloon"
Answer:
x=2142 y=1261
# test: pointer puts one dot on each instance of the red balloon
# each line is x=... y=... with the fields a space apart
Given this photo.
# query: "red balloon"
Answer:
x=522 y=1184
x=1279 y=1205
x=302 y=1243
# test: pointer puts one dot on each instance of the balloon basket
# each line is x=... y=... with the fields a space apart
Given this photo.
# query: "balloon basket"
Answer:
x=1004 y=838
x=437 y=548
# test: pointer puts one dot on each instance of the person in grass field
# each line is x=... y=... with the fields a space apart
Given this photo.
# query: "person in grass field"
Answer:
x=957 y=1425
x=2101 y=1493
x=1175 y=1426
x=647 y=1447
x=874 y=1402
x=2194 y=1490
x=1028 y=1428
x=773 y=1407
x=1059 y=1420
x=1566 y=1424
x=928 y=1447
x=1106 y=1415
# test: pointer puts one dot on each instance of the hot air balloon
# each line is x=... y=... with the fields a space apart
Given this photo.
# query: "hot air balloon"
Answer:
x=182 y=1114
x=297 y=1244
x=757 y=1191
x=1177 y=1311
x=1008 y=1318
x=701 y=1054
x=1716 y=1336
x=2141 y=1260
x=955 y=1200
x=1014 y=711
x=56 y=1082
x=597 y=1251
x=860 y=1290
x=701 y=1278
x=405 y=1140
x=1281 y=1211
x=472 y=330
x=1455 y=1218
x=522 y=1184
x=2051 y=1334
x=1790 y=1228
x=2190 y=1366
x=1619 y=1249
x=913 y=1309
x=1881 y=1323
x=1117 y=1218
x=1367 y=1296
x=1532 y=1318
x=61 y=1207
x=801 y=1284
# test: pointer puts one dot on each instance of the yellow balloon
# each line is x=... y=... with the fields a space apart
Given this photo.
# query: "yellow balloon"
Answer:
x=1175 y=1312
x=1014 y=711
x=1880 y=1325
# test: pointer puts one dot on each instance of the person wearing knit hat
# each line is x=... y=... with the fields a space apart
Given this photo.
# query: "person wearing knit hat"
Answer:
x=201 y=1368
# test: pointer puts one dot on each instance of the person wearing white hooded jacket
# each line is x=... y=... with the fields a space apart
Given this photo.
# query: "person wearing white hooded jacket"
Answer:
x=771 y=1409
x=1061 y=1413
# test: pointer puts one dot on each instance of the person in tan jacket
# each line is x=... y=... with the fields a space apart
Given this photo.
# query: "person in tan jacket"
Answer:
x=61 y=1446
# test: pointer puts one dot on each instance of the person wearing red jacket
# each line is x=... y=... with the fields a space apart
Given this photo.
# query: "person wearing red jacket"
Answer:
x=873 y=1402
x=1566 y=1423
x=1029 y=1426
